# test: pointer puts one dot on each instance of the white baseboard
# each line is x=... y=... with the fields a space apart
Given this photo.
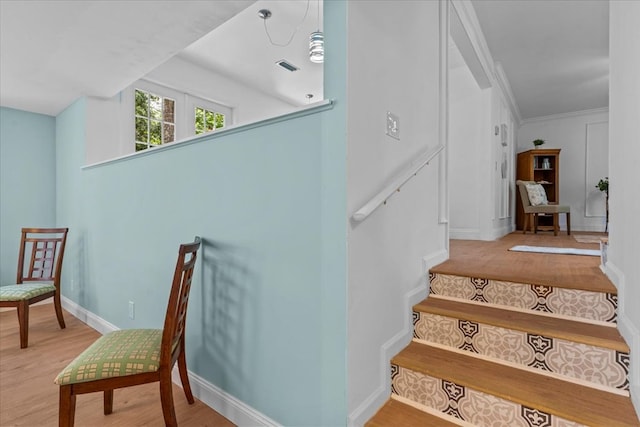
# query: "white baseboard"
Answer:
x=222 y=402
x=477 y=234
x=434 y=259
x=628 y=330
x=496 y=233
x=464 y=233
x=87 y=317
x=381 y=394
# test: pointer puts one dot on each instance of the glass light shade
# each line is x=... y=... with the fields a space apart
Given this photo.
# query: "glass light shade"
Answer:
x=316 y=47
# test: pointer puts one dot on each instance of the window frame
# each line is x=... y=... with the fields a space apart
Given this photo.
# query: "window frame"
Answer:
x=194 y=102
x=149 y=119
x=184 y=112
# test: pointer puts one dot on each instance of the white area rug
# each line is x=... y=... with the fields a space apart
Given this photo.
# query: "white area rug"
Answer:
x=547 y=250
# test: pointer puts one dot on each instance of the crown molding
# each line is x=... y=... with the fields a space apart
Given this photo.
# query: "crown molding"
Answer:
x=565 y=115
x=504 y=84
x=494 y=71
x=471 y=25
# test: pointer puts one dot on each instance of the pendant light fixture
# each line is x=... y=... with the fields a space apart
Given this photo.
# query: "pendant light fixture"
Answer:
x=316 y=43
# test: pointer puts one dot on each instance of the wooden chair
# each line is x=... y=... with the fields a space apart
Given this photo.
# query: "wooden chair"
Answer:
x=533 y=211
x=41 y=280
x=136 y=356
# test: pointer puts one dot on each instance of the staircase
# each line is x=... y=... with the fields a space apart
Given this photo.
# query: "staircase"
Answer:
x=495 y=353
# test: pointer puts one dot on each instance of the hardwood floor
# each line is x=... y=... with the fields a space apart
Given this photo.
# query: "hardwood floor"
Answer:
x=512 y=338
x=29 y=398
x=493 y=260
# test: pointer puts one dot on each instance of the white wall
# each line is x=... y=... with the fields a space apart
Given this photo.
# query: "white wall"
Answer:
x=249 y=105
x=481 y=198
x=569 y=133
x=105 y=137
x=110 y=121
x=624 y=153
x=467 y=141
x=386 y=250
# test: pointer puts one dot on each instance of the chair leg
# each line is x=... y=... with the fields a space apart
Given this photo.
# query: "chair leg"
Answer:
x=23 y=323
x=108 y=402
x=166 y=398
x=556 y=225
x=184 y=377
x=568 y=224
x=67 y=409
x=58 y=307
x=526 y=223
x=535 y=223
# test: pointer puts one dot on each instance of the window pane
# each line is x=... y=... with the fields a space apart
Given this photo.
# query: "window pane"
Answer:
x=219 y=120
x=142 y=133
x=155 y=132
x=168 y=110
x=209 y=120
x=168 y=132
x=155 y=106
x=142 y=103
x=140 y=147
x=199 y=120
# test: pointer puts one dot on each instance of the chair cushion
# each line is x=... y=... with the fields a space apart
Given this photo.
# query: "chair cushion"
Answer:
x=116 y=354
x=549 y=209
x=24 y=291
x=537 y=195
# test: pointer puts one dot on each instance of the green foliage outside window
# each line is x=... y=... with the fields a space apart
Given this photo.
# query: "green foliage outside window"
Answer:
x=207 y=121
x=155 y=119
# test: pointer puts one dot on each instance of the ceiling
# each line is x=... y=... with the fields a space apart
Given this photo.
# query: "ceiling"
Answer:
x=554 y=53
x=241 y=49
x=53 y=52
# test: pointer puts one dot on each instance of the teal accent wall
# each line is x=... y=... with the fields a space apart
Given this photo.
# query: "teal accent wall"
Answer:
x=27 y=181
x=70 y=190
x=267 y=315
x=333 y=195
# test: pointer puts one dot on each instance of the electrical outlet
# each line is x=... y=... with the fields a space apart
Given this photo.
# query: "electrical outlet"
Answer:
x=393 y=125
x=132 y=312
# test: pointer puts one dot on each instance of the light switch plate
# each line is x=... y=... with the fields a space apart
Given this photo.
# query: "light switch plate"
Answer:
x=393 y=125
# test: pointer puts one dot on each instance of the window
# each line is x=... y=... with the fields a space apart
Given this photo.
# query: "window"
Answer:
x=154 y=119
x=207 y=120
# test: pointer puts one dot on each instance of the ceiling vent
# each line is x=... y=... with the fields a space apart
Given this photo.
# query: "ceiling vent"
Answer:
x=287 y=65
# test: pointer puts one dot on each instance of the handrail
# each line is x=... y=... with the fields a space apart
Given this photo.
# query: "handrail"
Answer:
x=396 y=183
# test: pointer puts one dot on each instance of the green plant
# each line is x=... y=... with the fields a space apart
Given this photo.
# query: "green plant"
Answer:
x=538 y=142
x=603 y=185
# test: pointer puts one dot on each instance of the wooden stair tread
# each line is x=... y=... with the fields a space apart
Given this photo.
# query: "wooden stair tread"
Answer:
x=455 y=268
x=561 y=398
x=394 y=413
x=577 y=331
x=493 y=260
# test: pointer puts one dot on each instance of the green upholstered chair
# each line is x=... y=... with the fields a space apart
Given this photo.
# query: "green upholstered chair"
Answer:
x=38 y=276
x=132 y=357
x=531 y=210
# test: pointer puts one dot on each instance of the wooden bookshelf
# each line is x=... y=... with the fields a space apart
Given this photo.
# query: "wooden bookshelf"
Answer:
x=542 y=166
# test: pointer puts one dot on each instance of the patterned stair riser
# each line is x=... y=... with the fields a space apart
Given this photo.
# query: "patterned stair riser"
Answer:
x=569 y=302
x=467 y=404
x=597 y=365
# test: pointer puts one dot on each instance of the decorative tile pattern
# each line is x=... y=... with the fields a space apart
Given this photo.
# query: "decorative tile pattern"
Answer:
x=580 y=361
x=468 y=404
x=419 y=388
x=570 y=302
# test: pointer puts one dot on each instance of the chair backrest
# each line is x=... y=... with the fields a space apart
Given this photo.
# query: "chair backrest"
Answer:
x=175 y=319
x=524 y=195
x=46 y=248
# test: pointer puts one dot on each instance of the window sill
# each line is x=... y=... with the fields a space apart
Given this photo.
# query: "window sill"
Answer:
x=300 y=112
